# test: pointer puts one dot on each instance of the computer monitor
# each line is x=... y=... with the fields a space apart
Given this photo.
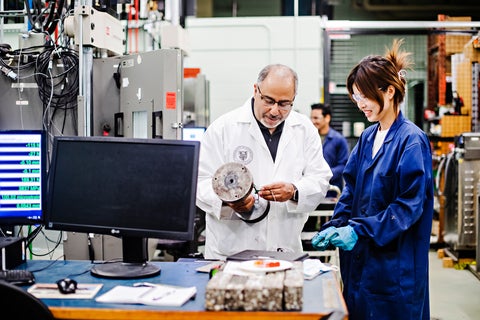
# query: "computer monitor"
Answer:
x=23 y=158
x=193 y=133
x=126 y=187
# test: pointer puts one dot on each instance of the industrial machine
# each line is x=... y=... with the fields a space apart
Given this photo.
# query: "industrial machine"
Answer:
x=461 y=192
x=81 y=82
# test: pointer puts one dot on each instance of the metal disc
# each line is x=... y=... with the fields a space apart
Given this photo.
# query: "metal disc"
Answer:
x=232 y=182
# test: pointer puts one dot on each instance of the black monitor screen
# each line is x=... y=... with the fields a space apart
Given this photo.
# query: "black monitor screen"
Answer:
x=130 y=188
x=22 y=177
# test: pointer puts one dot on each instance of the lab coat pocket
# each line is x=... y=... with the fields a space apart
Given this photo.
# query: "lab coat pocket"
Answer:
x=382 y=271
x=386 y=307
x=383 y=191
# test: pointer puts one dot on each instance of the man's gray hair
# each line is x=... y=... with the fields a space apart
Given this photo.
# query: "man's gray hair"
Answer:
x=287 y=70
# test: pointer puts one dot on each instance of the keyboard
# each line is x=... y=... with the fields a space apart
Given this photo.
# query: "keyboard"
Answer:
x=17 y=276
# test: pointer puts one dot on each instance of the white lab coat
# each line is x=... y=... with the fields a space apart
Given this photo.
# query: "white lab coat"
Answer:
x=299 y=160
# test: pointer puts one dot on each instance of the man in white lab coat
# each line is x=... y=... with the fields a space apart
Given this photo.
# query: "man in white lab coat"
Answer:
x=283 y=152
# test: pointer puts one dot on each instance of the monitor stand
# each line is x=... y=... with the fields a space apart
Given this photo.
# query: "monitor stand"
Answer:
x=134 y=265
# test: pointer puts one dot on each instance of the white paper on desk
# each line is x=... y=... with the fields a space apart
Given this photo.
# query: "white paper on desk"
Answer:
x=314 y=267
x=158 y=295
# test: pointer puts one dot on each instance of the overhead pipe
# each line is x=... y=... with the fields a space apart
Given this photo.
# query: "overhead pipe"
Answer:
x=368 y=6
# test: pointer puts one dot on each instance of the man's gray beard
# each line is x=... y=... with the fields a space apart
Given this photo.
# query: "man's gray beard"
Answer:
x=270 y=126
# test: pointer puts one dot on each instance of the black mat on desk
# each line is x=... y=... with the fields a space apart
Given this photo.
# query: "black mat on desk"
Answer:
x=263 y=254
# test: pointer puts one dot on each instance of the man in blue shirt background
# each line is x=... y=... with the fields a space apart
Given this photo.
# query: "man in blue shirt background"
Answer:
x=335 y=145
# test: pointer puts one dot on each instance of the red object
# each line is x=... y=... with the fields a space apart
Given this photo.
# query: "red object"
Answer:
x=191 y=72
x=272 y=264
x=266 y=264
x=171 y=100
x=428 y=114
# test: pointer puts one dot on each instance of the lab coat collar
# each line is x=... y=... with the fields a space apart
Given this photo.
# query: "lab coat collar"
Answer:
x=370 y=136
x=391 y=132
x=247 y=116
x=394 y=128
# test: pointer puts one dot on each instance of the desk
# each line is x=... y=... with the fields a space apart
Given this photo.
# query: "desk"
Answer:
x=321 y=296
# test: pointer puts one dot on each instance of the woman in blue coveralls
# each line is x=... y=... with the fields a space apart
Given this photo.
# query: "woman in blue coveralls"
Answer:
x=382 y=221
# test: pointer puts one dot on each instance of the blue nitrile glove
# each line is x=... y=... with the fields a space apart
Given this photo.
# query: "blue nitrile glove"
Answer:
x=345 y=238
x=322 y=239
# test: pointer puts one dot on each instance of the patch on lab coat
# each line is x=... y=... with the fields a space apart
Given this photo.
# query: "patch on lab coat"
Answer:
x=243 y=154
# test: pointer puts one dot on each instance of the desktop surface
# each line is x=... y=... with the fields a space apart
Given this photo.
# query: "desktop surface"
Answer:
x=321 y=296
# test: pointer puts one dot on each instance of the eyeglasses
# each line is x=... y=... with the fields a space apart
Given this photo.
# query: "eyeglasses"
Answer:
x=358 y=97
x=270 y=102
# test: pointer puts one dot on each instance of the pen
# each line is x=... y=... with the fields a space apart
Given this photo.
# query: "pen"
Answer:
x=163 y=295
x=144 y=284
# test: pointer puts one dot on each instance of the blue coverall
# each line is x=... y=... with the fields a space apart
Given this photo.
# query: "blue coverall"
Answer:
x=388 y=200
x=335 y=151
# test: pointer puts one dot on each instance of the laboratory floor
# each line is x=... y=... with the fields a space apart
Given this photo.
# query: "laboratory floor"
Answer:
x=454 y=294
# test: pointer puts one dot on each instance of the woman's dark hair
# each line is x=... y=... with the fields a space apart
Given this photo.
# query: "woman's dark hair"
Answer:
x=376 y=73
